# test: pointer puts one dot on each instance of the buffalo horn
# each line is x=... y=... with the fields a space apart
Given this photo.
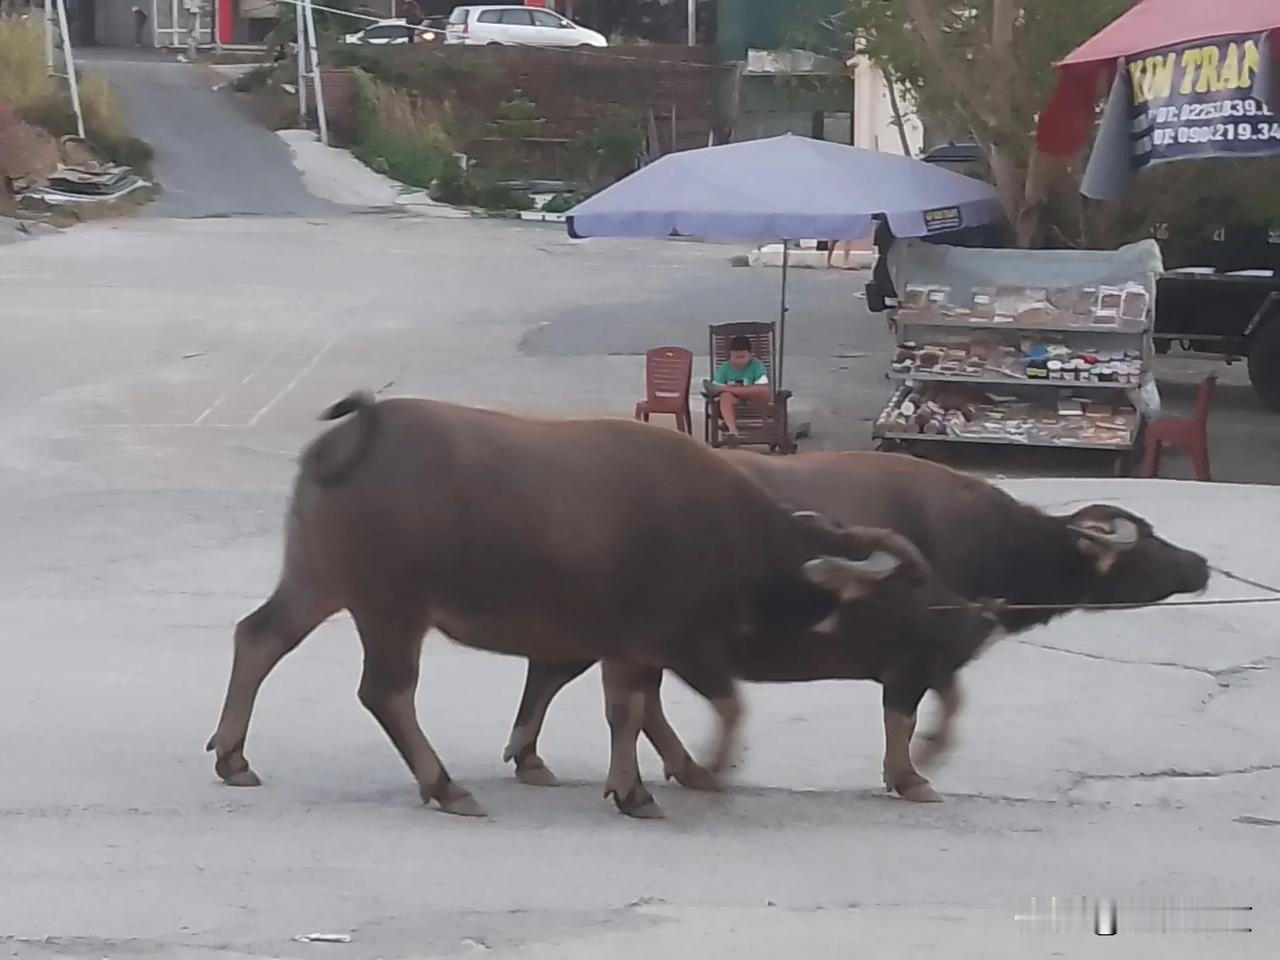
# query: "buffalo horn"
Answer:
x=817 y=519
x=878 y=565
x=1121 y=533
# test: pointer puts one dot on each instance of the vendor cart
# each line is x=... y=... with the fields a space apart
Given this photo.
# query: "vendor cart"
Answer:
x=1044 y=348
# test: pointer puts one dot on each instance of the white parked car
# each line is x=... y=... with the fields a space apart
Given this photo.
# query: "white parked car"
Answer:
x=391 y=31
x=520 y=26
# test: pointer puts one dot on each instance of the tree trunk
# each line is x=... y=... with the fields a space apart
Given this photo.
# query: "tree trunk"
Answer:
x=1009 y=181
x=891 y=82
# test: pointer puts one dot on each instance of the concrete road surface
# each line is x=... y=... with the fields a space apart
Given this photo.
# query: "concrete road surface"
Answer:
x=210 y=159
x=149 y=413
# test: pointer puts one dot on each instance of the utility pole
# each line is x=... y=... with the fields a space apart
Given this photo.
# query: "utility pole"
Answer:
x=315 y=71
x=48 y=36
x=301 y=24
x=693 y=23
x=71 y=66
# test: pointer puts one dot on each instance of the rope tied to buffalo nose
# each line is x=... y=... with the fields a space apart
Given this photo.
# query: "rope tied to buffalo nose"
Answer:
x=1245 y=580
x=991 y=605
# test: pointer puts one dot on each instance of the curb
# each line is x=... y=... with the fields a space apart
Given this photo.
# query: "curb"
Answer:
x=806 y=259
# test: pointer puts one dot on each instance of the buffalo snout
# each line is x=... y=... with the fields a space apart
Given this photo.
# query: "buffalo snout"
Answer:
x=1192 y=572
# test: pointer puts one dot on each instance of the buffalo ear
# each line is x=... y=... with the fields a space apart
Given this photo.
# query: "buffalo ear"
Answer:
x=849 y=579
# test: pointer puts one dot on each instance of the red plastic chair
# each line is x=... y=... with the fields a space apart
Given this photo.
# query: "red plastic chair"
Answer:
x=667 y=372
x=1190 y=434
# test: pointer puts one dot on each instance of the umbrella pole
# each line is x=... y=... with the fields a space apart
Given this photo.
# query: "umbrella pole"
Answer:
x=782 y=317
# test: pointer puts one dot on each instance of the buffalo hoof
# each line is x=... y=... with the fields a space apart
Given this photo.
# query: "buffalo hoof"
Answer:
x=462 y=804
x=241 y=778
x=694 y=776
x=235 y=771
x=538 y=776
x=644 y=808
x=638 y=803
x=920 y=793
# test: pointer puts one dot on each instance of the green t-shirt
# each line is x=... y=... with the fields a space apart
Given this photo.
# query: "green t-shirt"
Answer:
x=753 y=374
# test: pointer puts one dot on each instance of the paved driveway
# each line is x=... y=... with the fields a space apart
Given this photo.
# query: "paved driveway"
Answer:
x=211 y=159
x=148 y=422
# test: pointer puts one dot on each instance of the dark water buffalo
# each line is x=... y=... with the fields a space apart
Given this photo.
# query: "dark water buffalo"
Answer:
x=979 y=540
x=556 y=540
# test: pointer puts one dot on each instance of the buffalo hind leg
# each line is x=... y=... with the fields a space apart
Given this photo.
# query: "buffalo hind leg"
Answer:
x=392 y=651
x=900 y=775
x=261 y=640
x=677 y=764
x=624 y=699
x=542 y=681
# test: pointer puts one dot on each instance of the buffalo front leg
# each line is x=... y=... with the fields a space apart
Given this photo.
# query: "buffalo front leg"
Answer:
x=261 y=640
x=900 y=776
x=940 y=738
x=387 y=687
x=542 y=681
x=677 y=764
x=624 y=696
x=716 y=684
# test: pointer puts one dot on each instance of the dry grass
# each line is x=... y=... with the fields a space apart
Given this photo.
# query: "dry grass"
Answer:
x=417 y=122
x=103 y=115
x=23 y=81
x=46 y=101
x=401 y=136
x=25 y=86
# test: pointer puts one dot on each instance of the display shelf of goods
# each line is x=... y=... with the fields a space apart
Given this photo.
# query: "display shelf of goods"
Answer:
x=1102 y=308
x=969 y=413
x=1002 y=363
x=1022 y=357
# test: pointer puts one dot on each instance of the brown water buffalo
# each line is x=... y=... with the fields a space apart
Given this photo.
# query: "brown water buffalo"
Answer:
x=978 y=539
x=556 y=540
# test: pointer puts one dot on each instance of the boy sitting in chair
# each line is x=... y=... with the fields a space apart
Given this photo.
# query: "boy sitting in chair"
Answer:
x=740 y=379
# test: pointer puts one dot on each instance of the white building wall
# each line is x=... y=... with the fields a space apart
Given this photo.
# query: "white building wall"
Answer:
x=873 y=123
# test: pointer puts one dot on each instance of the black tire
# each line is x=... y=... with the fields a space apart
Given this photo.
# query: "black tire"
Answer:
x=1264 y=362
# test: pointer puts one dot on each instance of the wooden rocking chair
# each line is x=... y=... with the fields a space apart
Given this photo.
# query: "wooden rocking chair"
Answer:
x=759 y=425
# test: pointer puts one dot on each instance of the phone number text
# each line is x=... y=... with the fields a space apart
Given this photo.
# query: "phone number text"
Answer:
x=1218 y=110
x=1258 y=131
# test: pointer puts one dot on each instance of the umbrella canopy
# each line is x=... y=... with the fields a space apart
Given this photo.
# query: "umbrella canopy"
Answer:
x=1140 y=43
x=1152 y=24
x=784 y=188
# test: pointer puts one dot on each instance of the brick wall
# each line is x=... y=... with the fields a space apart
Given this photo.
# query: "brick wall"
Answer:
x=340 y=100
x=573 y=90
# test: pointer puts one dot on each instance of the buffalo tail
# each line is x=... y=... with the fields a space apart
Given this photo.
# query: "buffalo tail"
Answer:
x=333 y=458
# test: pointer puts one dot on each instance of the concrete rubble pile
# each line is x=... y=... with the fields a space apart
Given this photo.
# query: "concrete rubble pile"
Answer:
x=38 y=171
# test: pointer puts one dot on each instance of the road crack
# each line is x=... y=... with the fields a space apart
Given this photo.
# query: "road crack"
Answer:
x=1224 y=677
x=1170 y=773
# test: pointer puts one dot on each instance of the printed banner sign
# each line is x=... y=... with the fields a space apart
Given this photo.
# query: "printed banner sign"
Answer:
x=942 y=219
x=1198 y=100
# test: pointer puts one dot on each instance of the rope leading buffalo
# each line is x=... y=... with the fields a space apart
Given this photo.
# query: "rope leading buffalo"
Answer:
x=572 y=541
x=980 y=542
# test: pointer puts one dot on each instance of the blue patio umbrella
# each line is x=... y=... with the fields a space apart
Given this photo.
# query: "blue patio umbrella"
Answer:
x=785 y=188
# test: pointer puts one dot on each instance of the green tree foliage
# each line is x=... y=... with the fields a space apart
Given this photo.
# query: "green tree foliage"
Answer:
x=985 y=69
